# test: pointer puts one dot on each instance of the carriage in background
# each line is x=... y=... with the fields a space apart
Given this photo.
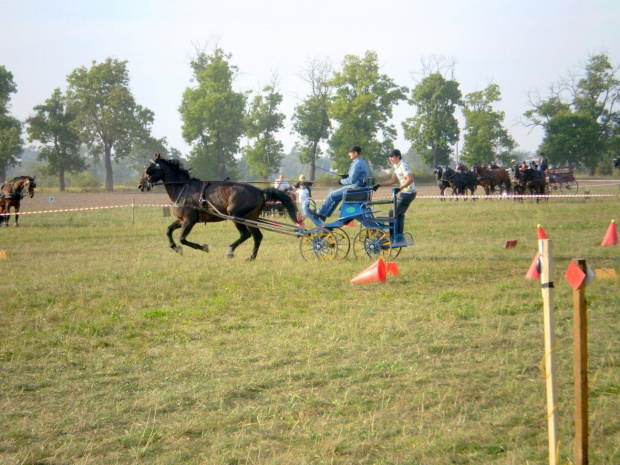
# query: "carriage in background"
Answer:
x=562 y=179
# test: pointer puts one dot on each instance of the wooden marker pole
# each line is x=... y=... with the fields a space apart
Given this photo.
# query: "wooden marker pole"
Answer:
x=580 y=336
x=546 y=275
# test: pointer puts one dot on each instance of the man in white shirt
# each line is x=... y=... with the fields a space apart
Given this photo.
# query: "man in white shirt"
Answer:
x=403 y=175
x=281 y=183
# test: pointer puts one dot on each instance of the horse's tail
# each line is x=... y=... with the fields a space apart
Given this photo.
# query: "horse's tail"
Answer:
x=273 y=194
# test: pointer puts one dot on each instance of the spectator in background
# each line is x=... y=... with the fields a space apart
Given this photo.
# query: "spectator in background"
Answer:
x=304 y=183
x=281 y=183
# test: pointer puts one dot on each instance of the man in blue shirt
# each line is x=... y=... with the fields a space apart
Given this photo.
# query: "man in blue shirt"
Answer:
x=358 y=174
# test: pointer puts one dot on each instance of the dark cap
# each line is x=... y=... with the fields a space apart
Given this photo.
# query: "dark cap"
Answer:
x=355 y=148
x=396 y=153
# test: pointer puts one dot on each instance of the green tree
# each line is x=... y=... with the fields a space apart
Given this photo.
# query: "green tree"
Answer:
x=362 y=106
x=486 y=139
x=573 y=138
x=262 y=123
x=592 y=93
x=311 y=117
x=213 y=116
x=52 y=127
x=434 y=128
x=107 y=116
x=11 y=142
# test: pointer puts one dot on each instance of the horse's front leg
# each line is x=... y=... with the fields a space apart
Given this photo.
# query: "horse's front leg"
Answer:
x=186 y=228
x=171 y=228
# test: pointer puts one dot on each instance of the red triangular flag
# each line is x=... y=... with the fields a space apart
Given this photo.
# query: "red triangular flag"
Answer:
x=611 y=237
x=541 y=233
x=392 y=268
x=532 y=272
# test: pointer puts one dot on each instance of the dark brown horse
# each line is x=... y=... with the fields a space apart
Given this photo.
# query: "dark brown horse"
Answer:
x=11 y=195
x=493 y=180
x=211 y=201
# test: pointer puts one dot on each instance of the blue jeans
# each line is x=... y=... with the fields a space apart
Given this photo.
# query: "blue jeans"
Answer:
x=332 y=200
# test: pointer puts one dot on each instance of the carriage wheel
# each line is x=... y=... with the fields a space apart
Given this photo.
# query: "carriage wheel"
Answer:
x=344 y=243
x=572 y=187
x=319 y=245
x=372 y=243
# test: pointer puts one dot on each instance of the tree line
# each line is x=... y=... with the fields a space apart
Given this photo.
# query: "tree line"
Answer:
x=98 y=116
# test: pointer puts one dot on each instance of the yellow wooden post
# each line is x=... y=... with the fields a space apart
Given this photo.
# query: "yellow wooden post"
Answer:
x=546 y=279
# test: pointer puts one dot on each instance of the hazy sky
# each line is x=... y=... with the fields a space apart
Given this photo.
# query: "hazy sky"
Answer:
x=520 y=45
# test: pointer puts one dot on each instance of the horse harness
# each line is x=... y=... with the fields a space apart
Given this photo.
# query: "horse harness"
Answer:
x=11 y=195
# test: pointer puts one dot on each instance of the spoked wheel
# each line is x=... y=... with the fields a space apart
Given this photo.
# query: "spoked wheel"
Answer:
x=319 y=245
x=372 y=243
x=569 y=187
x=572 y=187
x=344 y=243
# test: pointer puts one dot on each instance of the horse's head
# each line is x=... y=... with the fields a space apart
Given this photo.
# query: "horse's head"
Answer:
x=447 y=173
x=438 y=172
x=616 y=163
x=152 y=173
x=30 y=185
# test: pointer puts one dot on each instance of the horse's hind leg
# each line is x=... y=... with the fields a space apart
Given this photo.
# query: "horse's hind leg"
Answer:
x=257 y=235
x=244 y=236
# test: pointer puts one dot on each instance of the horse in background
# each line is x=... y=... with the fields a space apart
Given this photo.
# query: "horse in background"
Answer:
x=492 y=179
x=11 y=195
x=441 y=183
x=211 y=201
x=460 y=182
x=529 y=181
x=616 y=164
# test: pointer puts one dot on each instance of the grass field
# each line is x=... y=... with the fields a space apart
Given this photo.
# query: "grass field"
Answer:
x=114 y=349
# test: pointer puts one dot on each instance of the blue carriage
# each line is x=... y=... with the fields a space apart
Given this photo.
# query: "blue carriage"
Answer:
x=375 y=238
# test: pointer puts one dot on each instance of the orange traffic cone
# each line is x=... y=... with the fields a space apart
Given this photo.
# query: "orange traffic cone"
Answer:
x=375 y=272
x=392 y=268
x=611 y=237
x=541 y=233
x=532 y=272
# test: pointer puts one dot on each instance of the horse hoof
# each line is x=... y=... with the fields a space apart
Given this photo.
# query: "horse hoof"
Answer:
x=205 y=248
x=178 y=249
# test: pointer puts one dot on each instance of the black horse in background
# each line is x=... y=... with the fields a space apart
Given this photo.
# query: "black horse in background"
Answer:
x=460 y=182
x=616 y=164
x=206 y=201
x=529 y=181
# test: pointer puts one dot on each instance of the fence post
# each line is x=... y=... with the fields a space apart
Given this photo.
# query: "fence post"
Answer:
x=580 y=359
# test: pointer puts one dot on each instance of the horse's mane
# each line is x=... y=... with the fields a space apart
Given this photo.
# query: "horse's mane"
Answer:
x=178 y=166
x=17 y=178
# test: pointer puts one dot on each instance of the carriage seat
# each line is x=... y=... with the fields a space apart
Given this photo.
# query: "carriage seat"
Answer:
x=357 y=195
x=384 y=219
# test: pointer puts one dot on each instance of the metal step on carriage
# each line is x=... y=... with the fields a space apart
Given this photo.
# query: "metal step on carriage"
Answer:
x=562 y=179
x=375 y=238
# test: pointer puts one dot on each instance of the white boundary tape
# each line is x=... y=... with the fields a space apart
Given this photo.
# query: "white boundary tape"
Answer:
x=454 y=197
